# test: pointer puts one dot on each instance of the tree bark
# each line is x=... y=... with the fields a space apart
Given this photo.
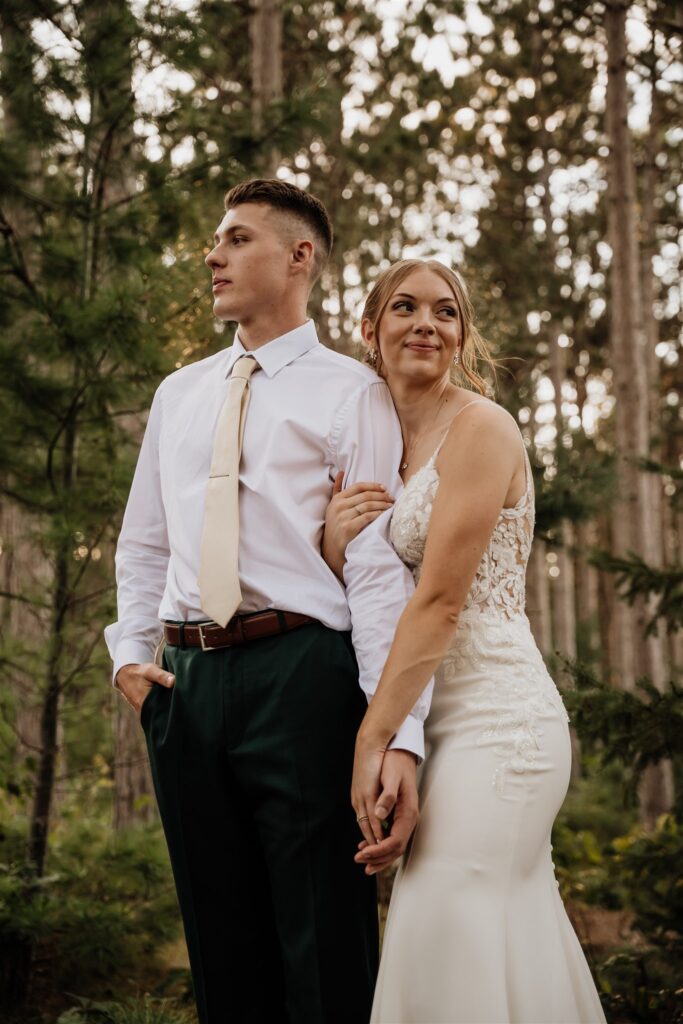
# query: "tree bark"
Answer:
x=109 y=165
x=636 y=526
x=538 y=598
x=265 y=36
x=133 y=796
x=52 y=688
x=586 y=576
x=563 y=585
x=23 y=616
x=611 y=654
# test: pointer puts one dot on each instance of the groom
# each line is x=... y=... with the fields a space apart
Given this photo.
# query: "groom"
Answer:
x=251 y=716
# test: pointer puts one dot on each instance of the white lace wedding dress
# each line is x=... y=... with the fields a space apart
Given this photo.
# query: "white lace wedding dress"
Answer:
x=477 y=933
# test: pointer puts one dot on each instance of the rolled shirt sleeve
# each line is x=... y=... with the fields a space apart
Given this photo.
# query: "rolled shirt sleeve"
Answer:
x=368 y=447
x=142 y=556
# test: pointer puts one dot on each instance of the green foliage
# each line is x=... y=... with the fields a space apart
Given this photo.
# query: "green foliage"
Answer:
x=648 y=866
x=624 y=728
x=638 y=579
x=140 y=1011
x=642 y=981
x=594 y=815
x=582 y=479
x=635 y=875
x=102 y=912
x=640 y=988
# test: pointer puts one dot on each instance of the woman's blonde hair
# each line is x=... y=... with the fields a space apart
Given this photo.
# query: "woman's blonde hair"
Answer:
x=474 y=349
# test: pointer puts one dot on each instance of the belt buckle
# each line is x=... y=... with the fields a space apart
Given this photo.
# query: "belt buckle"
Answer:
x=202 y=639
x=205 y=643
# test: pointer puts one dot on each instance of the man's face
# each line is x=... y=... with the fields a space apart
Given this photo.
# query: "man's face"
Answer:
x=250 y=263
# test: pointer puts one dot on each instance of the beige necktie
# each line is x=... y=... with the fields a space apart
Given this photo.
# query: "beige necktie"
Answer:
x=219 y=583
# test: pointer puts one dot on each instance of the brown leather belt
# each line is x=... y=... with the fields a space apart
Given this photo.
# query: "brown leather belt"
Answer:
x=240 y=630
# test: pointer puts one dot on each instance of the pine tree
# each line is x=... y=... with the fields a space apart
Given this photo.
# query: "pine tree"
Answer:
x=89 y=313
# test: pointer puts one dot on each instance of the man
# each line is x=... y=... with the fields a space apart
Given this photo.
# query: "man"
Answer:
x=251 y=718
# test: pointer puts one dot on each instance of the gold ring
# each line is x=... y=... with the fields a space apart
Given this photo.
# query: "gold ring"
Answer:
x=363 y=817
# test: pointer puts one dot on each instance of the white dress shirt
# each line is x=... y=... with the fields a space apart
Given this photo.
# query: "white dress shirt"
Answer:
x=312 y=413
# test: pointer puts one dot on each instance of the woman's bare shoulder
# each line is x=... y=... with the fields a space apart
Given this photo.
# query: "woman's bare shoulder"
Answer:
x=482 y=417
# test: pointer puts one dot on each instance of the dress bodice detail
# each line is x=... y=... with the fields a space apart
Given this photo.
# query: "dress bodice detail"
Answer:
x=499 y=582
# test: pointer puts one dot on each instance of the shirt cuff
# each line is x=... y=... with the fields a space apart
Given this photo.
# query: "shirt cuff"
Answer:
x=410 y=737
x=132 y=652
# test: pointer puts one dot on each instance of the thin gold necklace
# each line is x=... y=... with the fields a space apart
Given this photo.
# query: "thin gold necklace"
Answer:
x=411 y=446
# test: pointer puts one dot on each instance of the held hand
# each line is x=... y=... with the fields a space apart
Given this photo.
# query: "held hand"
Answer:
x=366 y=787
x=347 y=514
x=399 y=793
x=135 y=682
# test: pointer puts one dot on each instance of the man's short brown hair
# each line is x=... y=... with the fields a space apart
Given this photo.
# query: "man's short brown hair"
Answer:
x=290 y=200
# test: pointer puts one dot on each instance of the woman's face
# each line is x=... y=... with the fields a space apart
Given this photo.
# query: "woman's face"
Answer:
x=420 y=330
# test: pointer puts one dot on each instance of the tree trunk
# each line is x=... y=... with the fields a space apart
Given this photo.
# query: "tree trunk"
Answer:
x=674 y=556
x=648 y=248
x=563 y=586
x=52 y=690
x=538 y=598
x=133 y=790
x=586 y=576
x=610 y=651
x=109 y=157
x=626 y=336
x=265 y=36
x=636 y=526
x=25 y=578
x=586 y=594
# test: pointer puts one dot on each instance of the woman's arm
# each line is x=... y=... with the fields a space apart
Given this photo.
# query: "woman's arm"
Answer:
x=477 y=465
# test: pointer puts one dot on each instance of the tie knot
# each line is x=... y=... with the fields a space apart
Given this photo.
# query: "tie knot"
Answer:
x=244 y=367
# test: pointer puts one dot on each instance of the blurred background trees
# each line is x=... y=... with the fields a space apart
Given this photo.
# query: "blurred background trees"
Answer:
x=533 y=144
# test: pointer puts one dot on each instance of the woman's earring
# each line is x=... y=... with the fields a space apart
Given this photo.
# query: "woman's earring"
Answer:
x=372 y=356
x=456 y=358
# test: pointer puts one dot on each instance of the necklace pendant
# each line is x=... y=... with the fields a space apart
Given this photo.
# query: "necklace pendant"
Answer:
x=404 y=465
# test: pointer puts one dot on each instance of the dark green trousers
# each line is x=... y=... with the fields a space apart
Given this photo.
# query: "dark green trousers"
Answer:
x=251 y=755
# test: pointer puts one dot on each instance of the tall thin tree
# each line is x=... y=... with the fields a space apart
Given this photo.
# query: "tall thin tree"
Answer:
x=636 y=526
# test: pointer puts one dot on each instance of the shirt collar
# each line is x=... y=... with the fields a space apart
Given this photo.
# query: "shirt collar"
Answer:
x=277 y=353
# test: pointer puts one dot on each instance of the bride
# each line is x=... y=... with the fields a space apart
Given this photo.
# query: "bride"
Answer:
x=476 y=931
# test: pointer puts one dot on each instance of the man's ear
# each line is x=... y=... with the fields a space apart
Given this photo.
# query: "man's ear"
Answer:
x=302 y=254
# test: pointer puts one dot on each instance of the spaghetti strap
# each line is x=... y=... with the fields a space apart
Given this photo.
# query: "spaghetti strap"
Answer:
x=523 y=501
x=475 y=401
x=528 y=475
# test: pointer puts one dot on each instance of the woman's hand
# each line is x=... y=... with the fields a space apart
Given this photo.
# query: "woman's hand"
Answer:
x=399 y=801
x=366 y=787
x=348 y=513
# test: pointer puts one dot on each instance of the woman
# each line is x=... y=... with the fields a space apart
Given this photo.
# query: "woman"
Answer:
x=476 y=931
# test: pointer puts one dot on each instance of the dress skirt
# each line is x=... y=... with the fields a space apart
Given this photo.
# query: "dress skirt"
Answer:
x=477 y=932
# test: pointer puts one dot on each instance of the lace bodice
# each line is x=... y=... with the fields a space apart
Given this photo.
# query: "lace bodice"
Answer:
x=499 y=583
